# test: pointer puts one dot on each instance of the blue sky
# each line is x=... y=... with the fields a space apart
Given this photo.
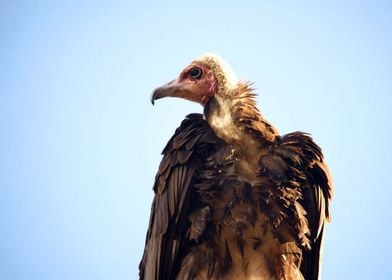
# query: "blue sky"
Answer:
x=80 y=142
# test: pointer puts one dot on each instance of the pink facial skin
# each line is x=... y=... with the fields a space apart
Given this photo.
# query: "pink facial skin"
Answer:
x=202 y=89
x=199 y=88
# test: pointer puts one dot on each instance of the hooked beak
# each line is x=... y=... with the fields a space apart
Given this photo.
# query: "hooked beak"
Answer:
x=180 y=88
x=166 y=90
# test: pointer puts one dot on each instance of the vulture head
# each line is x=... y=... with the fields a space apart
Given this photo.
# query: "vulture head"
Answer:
x=229 y=105
x=206 y=77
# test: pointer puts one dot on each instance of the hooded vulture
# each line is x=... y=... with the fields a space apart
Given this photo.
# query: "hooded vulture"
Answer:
x=233 y=198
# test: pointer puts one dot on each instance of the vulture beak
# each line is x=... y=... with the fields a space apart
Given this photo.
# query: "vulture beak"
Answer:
x=165 y=90
x=179 y=88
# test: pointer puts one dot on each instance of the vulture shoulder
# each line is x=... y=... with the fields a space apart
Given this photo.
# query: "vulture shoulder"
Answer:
x=166 y=241
x=309 y=173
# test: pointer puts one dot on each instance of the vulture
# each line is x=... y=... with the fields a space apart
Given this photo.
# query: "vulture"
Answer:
x=233 y=199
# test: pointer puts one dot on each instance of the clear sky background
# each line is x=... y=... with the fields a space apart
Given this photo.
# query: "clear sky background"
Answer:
x=80 y=142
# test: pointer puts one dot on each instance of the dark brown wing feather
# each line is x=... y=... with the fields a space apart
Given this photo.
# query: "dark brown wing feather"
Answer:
x=316 y=188
x=192 y=142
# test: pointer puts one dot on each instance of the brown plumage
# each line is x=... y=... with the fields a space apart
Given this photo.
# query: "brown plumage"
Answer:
x=233 y=198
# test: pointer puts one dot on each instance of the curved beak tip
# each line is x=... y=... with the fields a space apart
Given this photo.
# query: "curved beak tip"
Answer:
x=169 y=89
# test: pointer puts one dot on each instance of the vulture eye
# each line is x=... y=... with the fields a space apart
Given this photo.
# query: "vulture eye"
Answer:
x=195 y=73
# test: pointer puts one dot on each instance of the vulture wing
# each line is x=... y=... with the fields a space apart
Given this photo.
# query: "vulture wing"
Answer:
x=192 y=142
x=316 y=187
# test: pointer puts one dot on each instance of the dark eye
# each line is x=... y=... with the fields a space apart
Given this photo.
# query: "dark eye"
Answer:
x=195 y=73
